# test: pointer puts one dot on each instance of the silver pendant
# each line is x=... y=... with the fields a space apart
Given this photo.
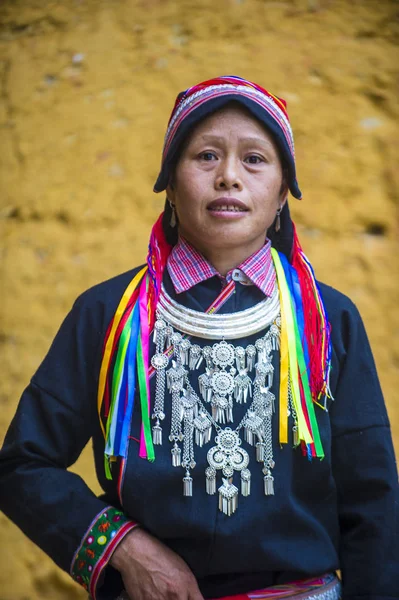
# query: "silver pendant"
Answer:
x=269 y=484
x=264 y=369
x=240 y=358
x=295 y=435
x=274 y=333
x=184 y=348
x=222 y=409
x=222 y=383
x=260 y=451
x=176 y=456
x=195 y=357
x=245 y=482
x=189 y=406
x=203 y=429
x=228 y=498
x=210 y=474
x=205 y=386
x=159 y=361
x=252 y=427
x=227 y=454
x=159 y=333
x=157 y=434
x=174 y=377
x=243 y=387
x=251 y=356
x=187 y=484
x=223 y=354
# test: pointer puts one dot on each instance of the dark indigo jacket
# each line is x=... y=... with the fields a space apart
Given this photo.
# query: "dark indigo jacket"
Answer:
x=338 y=513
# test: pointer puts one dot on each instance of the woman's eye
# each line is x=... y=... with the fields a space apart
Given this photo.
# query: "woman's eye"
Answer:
x=207 y=156
x=253 y=159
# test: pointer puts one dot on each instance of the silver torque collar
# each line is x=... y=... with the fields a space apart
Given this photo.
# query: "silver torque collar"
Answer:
x=215 y=327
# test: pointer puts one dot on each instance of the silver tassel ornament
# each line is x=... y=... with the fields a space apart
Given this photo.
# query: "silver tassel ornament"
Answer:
x=251 y=356
x=157 y=434
x=269 y=484
x=210 y=474
x=249 y=436
x=184 y=348
x=295 y=435
x=203 y=429
x=245 y=482
x=176 y=456
x=195 y=357
x=221 y=409
x=187 y=484
x=228 y=498
x=260 y=451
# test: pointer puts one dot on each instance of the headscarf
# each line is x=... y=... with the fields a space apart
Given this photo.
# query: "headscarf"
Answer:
x=201 y=100
x=305 y=328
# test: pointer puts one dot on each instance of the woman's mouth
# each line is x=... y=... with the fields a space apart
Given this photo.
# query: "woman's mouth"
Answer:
x=223 y=206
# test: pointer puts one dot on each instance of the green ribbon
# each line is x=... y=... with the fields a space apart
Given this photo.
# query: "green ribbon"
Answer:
x=116 y=379
x=145 y=417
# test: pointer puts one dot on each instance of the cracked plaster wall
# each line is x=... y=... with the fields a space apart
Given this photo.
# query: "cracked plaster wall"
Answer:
x=85 y=91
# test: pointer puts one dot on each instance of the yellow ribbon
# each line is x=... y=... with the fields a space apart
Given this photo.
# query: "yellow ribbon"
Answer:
x=110 y=342
x=283 y=398
x=287 y=323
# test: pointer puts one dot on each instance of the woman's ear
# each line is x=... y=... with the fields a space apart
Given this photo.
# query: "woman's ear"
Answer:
x=284 y=198
x=284 y=189
x=170 y=191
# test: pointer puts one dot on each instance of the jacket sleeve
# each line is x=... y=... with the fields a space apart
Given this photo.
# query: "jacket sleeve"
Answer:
x=364 y=469
x=55 y=419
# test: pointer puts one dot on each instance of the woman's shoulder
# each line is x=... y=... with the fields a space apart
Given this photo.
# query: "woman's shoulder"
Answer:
x=110 y=290
x=336 y=303
x=342 y=312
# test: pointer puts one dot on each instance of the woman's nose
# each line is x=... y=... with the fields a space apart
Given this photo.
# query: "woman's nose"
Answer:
x=228 y=175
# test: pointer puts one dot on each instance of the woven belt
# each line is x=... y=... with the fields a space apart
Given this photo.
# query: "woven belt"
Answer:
x=327 y=587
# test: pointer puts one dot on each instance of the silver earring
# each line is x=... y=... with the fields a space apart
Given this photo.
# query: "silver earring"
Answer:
x=278 y=224
x=172 y=221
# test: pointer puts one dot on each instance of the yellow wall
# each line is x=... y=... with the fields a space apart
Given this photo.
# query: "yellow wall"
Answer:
x=86 y=89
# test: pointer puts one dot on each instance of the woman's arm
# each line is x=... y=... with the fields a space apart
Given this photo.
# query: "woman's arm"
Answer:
x=364 y=470
x=150 y=569
x=55 y=418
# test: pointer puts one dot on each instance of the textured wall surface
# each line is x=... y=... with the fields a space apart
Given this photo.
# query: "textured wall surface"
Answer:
x=86 y=87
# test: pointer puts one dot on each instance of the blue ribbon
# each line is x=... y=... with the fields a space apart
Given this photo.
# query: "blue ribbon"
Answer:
x=130 y=383
x=295 y=290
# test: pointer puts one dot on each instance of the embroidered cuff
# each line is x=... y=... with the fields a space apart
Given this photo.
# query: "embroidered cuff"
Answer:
x=102 y=537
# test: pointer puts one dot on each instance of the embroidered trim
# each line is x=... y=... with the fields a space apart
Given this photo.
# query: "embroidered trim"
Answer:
x=99 y=542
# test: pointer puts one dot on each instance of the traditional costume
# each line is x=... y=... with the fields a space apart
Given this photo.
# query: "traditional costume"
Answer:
x=238 y=419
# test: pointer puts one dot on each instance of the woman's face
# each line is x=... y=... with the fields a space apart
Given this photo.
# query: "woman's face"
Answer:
x=228 y=183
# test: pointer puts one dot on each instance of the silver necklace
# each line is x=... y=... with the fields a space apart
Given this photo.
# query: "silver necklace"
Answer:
x=225 y=381
x=215 y=326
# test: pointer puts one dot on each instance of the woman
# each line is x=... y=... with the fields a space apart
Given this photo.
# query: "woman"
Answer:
x=213 y=382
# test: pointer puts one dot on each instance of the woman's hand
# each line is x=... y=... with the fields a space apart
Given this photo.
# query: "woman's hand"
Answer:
x=151 y=571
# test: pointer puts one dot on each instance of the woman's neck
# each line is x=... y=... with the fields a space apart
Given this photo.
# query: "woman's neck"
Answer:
x=224 y=260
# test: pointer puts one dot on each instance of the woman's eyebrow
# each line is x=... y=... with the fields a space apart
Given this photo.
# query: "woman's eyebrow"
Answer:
x=206 y=137
x=256 y=140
